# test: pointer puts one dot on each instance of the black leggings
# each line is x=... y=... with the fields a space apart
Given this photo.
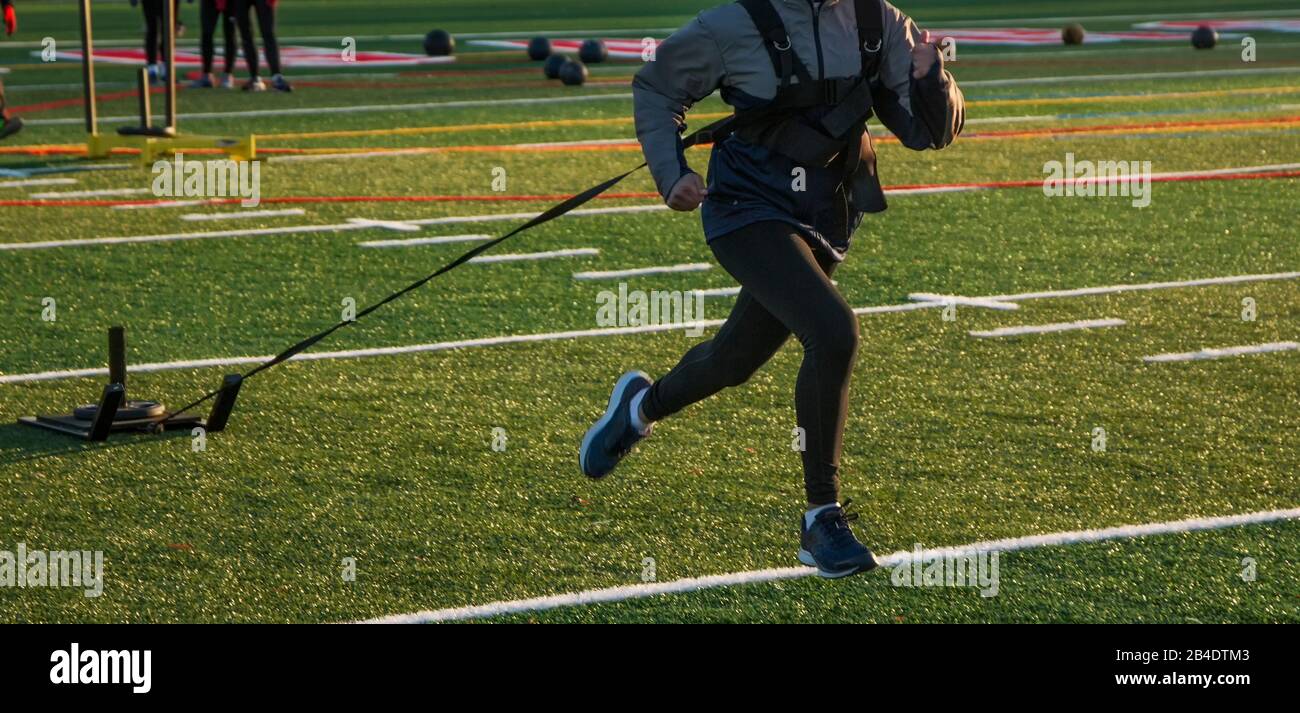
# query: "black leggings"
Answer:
x=265 y=23
x=785 y=288
x=155 y=35
x=209 y=15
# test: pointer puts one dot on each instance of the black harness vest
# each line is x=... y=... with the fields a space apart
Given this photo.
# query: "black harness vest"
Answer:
x=842 y=106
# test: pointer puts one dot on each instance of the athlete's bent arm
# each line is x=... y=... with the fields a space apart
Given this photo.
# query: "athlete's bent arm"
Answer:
x=925 y=109
x=686 y=68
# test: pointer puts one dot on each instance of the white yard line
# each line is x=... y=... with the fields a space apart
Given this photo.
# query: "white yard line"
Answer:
x=1049 y=328
x=547 y=255
x=586 y=333
x=239 y=215
x=981 y=302
x=400 y=226
x=362 y=353
x=636 y=272
x=499 y=217
x=1145 y=286
x=718 y=292
x=438 y=240
x=38 y=182
x=161 y=204
x=174 y=237
x=1223 y=353
x=904 y=557
x=57 y=195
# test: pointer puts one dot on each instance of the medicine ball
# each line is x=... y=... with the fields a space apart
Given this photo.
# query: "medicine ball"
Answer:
x=539 y=48
x=573 y=74
x=553 y=65
x=439 y=43
x=1204 y=38
x=593 y=51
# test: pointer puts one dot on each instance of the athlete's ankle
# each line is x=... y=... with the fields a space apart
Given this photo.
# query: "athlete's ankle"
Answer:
x=637 y=413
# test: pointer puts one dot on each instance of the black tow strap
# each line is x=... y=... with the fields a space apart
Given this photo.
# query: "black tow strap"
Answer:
x=713 y=131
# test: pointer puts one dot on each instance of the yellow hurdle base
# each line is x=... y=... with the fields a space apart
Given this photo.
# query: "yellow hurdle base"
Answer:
x=242 y=148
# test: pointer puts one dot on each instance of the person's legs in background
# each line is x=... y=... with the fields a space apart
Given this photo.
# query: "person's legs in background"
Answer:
x=228 y=32
x=245 y=24
x=208 y=16
x=266 y=25
x=9 y=125
x=153 y=37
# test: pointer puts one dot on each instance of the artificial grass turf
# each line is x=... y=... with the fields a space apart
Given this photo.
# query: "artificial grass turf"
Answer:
x=389 y=461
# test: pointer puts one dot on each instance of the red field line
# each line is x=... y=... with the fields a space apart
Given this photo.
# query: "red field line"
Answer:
x=608 y=196
x=78 y=101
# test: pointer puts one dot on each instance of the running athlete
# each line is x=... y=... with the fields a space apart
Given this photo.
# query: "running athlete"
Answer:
x=266 y=23
x=9 y=125
x=788 y=184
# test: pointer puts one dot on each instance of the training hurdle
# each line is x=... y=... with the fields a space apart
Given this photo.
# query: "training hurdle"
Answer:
x=151 y=141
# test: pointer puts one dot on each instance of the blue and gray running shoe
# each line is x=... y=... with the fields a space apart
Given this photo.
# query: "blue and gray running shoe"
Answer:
x=613 y=436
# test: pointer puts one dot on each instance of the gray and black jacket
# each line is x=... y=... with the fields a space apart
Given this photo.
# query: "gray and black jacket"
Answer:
x=723 y=50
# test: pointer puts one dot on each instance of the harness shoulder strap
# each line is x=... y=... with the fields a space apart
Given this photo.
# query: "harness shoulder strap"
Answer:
x=871 y=34
x=776 y=40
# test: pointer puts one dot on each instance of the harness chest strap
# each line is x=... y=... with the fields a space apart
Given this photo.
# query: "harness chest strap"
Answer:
x=778 y=125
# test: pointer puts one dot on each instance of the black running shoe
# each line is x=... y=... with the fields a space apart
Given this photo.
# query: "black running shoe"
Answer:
x=829 y=544
x=11 y=126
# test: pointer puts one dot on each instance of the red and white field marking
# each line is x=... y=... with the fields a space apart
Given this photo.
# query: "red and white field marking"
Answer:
x=1038 y=37
x=903 y=557
x=619 y=47
x=292 y=56
x=1223 y=353
x=625 y=48
x=1186 y=26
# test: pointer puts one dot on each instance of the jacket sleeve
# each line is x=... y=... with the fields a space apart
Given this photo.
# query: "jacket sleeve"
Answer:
x=686 y=68
x=925 y=113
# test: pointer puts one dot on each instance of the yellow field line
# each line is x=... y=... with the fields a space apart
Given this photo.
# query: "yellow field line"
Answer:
x=555 y=123
x=1138 y=97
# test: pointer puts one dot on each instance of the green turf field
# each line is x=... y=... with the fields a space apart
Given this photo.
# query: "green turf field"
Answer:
x=389 y=460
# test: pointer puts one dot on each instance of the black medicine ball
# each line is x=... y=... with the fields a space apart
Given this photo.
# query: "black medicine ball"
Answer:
x=539 y=48
x=593 y=52
x=439 y=43
x=553 y=65
x=1204 y=37
x=573 y=73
